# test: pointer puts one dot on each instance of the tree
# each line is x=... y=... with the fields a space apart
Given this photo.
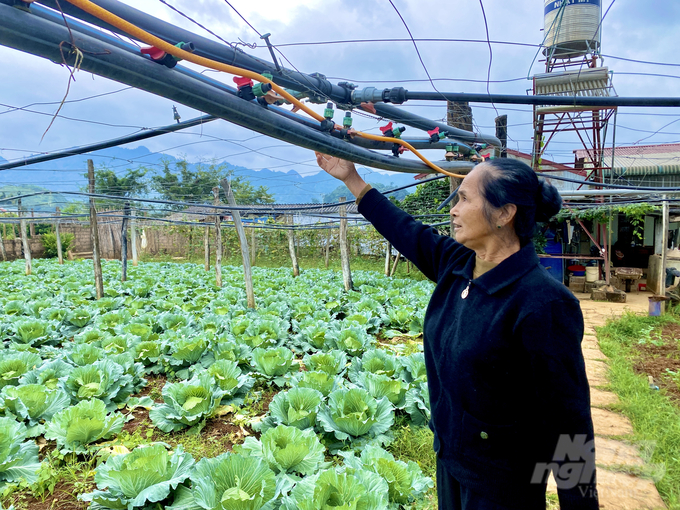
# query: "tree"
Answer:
x=180 y=183
x=107 y=182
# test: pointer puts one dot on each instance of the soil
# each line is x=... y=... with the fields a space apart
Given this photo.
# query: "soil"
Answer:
x=64 y=497
x=655 y=360
x=154 y=382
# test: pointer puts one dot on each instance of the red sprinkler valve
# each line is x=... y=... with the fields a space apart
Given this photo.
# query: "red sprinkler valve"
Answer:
x=245 y=88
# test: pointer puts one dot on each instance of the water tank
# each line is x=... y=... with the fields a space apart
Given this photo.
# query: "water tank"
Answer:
x=572 y=27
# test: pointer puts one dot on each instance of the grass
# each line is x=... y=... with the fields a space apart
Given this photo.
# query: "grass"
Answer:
x=655 y=419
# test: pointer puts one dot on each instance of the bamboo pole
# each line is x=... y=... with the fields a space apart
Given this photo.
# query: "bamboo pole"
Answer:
x=2 y=242
x=253 y=248
x=133 y=237
x=344 y=251
x=218 y=239
x=57 y=235
x=31 y=225
x=243 y=243
x=24 y=240
x=123 y=242
x=328 y=247
x=96 y=261
x=396 y=263
x=206 y=247
x=388 y=258
x=291 y=245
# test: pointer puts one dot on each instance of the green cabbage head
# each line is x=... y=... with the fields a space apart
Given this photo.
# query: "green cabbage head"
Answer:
x=146 y=475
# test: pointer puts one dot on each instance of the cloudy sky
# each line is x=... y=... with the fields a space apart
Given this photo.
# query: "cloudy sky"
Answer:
x=633 y=33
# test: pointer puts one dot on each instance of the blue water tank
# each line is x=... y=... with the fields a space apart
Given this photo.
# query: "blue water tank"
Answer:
x=554 y=266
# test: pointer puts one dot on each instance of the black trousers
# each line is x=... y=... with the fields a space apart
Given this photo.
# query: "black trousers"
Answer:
x=454 y=496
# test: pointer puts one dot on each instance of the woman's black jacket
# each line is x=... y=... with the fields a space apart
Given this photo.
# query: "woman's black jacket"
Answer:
x=508 y=388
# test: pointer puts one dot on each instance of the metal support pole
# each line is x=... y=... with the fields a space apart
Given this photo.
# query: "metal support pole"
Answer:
x=388 y=258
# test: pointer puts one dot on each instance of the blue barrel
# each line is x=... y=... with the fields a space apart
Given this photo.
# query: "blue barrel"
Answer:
x=554 y=266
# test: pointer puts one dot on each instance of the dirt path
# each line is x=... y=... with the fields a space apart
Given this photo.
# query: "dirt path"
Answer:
x=618 y=490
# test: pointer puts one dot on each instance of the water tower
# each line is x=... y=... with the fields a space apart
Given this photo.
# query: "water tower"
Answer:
x=572 y=35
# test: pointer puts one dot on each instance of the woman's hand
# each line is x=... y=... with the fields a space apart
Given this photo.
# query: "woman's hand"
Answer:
x=343 y=170
x=338 y=168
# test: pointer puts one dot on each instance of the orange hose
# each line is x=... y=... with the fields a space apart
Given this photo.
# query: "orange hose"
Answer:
x=148 y=38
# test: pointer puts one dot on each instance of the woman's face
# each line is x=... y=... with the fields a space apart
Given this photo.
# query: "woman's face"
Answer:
x=470 y=225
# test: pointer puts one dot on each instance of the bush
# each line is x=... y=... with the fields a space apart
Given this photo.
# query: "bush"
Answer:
x=49 y=242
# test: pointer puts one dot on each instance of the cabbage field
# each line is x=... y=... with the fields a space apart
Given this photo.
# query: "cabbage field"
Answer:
x=170 y=393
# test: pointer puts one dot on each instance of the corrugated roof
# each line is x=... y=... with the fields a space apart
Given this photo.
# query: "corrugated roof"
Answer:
x=635 y=150
x=644 y=170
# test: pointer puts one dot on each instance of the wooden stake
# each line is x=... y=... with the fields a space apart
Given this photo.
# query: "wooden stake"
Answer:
x=396 y=263
x=24 y=240
x=206 y=247
x=388 y=258
x=123 y=242
x=243 y=243
x=2 y=243
x=31 y=225
x=60 y=255
x=218 y=239
x=328 y=246
x=253 y=248
x=94 y=233
x=291 y=245
x=133 y=238
x=344 y=251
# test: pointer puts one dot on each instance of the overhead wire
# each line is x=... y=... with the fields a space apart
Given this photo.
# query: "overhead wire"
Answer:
x=135 y=31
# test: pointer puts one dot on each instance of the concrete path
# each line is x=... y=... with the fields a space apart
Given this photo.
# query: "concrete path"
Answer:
x=615 y=456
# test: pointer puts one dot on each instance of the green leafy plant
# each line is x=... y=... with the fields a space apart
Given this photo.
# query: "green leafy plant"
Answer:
x=297 y=407
x=77 y=427
x=287 y=450
x=49 y=242
x=18 y=457
x=351 y=413
x=135 y=480
x=406 y=481
x=186 y=404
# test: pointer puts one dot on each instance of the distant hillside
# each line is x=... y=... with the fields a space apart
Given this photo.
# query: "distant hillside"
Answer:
x=38 y=203
x=287 y=187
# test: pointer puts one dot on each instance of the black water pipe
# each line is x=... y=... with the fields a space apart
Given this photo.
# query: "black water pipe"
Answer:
x=205 y=47
x=26 y=32
x=543 y=100
x=115 y=142
x=315 y=86
x=416 y=121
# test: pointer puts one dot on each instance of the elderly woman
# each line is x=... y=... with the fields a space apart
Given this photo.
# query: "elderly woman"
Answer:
x=508 y=390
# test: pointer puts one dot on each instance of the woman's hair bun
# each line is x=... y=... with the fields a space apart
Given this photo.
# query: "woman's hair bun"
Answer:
x=548 y=201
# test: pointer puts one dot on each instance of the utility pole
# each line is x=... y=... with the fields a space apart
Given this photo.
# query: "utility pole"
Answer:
x=94 y=233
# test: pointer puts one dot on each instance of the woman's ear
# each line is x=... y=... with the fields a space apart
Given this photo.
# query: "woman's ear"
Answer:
x=506 y=214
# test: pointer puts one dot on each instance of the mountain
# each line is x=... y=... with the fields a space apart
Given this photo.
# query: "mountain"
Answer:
x=68 y=174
